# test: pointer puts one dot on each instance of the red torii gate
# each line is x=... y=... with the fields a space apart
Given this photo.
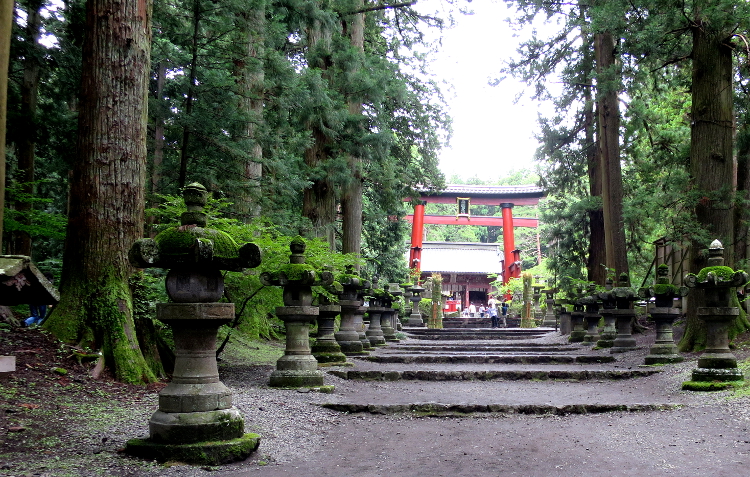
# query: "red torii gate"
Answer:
x=463 y=195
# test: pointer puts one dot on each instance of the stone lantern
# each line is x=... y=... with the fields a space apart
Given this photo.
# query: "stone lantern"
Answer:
x=663 y=313
x=536 y=295
x=550 y=320
x=591 y=316
x=351 y=305
x=624 y=313
x=577 y=318
x=415 y=319
x=196 y=421
x=609 y=304
x=390 y=316
x=298 y=367
x=376 y=309
x=717 y=363
x=326 y=349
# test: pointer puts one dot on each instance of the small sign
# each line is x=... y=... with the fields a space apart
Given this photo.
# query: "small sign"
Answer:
x=463 y=204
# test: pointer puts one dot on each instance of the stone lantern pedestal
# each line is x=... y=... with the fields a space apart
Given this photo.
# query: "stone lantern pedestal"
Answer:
x=578 y=332
x=565 y=319
x=624 y=340
x=326 y=349
x=298 y=367
x=717 y=363
x=550 y=320
x=374 y=332
x=390 y=315
x=664 y=350
x=536 y=296
x=591 y=316
x=347 y=335
x=609 y=332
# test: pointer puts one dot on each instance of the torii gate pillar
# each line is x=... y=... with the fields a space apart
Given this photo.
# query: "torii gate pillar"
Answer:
x=512 y=267
x=415 y=254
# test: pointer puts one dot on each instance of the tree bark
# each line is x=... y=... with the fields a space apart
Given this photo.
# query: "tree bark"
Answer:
x=21 y=241
x=107 y=189
x=713 y=167
x=6 y=24
x=351 y=199
x=319 y=200
x=609 y=152
x=251 y=86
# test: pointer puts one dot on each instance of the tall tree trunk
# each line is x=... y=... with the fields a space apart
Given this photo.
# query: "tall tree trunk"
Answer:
x=351 y=198
x=713 y=167
x=319 y=200
x=6 y=25
x=609 y=152
x=107 y=189
x=190 y=97
x=158 y=157
x=251 y=86
x=596 y=272
x=21 y=241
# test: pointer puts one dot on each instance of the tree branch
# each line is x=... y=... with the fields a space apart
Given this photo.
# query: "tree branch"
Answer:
x=381 y=7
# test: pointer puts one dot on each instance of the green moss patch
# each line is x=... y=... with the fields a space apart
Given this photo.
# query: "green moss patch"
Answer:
x=711 y=385
x=722 y=272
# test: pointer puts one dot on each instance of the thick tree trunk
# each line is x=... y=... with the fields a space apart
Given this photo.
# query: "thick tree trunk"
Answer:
x=319 y=200
x=6 y=24
x=712 y=163
x=597 y=272
x=26 y=151
x=251 y=86
x=609 y=152
x=107 y=189
x=351 y=199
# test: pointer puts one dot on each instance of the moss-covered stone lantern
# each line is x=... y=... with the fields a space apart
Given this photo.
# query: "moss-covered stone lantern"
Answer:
x=577 y=323
x=298 y=367
x=389 y=319
x=375 y=310
x=624 y=313
x=351 y=304
x=609 y=304
x=663 y=313
x=196 y=421
x=591 y=315
x=550 y=319
x=326 y=349
x=717 y=363
x=414 y=295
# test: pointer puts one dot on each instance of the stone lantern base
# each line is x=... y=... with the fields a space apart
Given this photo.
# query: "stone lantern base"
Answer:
x=196 y=421
x=298 y=367
x=717 y=363
x=578 y=333
x=206 y=453
x=664 y=351
x=326 y=350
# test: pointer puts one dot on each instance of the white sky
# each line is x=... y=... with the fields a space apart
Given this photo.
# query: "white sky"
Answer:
x=491 y=134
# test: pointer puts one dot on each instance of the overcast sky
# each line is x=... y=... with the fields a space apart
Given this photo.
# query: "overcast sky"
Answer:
x=491 y=134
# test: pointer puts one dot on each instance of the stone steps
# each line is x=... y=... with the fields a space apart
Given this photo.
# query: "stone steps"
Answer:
x=477 y=333
x=491 y=359
x=459 y=409
x=572 y=374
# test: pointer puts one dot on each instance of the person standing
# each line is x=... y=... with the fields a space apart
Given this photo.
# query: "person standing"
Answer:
x=472 y=310
x=481 y=311
x=505 y=313
x=493 y=316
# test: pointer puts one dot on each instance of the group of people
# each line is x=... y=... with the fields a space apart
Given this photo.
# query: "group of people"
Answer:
x=472 y=311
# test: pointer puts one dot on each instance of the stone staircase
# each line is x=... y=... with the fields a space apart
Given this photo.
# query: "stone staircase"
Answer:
x=507 y=370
